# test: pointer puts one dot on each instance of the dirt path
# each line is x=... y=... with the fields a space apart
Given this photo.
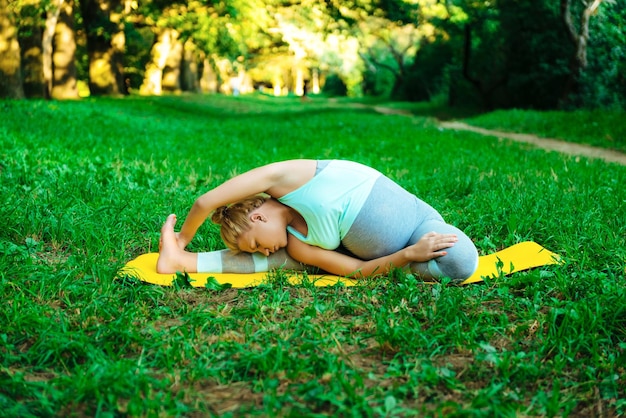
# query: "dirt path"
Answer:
x=544 y=143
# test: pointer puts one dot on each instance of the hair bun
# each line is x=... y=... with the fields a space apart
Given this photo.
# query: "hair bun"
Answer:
x=220 y=215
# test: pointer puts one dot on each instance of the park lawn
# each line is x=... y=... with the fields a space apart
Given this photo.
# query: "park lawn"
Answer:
x=85 y=186
x=598 y=128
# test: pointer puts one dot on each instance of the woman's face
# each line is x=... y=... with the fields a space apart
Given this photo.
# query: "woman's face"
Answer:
x=266 y=235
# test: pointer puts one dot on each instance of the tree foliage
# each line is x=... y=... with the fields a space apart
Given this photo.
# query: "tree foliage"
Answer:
x=497 y=53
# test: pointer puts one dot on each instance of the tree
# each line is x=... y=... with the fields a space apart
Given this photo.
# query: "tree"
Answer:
x=103 y=21
x=303 y=43
x=63 y=61
x=52 y=17
x=506 y=54
x=165 y=45
x=10 y=61
x=536 y=55
x=43 y=35
x=579 y=36
x=30 y=37
x=499 y=53
x=603 y=82
x=482 y=52
x=391 y=47
x=193 y=35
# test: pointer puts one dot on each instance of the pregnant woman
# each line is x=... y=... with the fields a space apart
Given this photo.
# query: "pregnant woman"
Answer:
x=343 y=217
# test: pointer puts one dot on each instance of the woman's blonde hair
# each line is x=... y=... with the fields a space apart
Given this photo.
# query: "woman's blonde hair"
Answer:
x=234 y=219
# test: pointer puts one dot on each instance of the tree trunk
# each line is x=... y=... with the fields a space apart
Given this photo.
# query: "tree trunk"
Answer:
x=579 y=39
x=208 y=81
x=298 y=87
x=223 y=68
x=52 y=16
x=277 y=85
x=189 y=79
x=316 y=81
x=173 y=67
x=64 y=83
x=29 y=37
x=10 y=60
x=105 y=45
x=118 y=47
x=164 y=42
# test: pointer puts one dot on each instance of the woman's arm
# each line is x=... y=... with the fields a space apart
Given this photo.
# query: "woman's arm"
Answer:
x=276 y=179
x=430 y=246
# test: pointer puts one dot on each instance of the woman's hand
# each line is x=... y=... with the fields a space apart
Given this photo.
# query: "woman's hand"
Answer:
x=431 y=245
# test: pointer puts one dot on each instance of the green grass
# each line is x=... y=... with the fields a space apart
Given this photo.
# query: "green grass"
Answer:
x=600 y=128
x=85 y=186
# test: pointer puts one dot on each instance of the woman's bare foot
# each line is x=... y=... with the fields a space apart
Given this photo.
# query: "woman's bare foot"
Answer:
x=171 y=257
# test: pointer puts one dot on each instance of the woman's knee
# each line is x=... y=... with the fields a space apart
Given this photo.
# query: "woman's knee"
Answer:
x=460 y=262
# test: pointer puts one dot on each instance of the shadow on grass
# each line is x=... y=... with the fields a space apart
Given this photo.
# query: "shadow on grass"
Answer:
x=256 y=107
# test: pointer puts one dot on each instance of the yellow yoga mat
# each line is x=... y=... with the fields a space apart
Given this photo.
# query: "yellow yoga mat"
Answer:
x=518 y=257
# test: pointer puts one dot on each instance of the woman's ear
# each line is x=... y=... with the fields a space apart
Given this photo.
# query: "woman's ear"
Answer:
x=257 y=216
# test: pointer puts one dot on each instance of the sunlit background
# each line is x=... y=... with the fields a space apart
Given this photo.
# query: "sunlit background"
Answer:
x=491 y=54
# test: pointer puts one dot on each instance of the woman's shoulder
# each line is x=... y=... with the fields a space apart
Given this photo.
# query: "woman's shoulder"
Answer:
x=289 y=175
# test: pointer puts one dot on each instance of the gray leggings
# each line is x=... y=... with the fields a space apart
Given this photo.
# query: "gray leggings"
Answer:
x=392 y=219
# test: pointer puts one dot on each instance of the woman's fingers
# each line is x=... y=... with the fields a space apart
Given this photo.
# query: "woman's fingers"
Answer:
x=432 y=244
x=439 y=241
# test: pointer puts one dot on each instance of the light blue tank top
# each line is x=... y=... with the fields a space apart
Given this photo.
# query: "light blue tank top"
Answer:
x=331 y=201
